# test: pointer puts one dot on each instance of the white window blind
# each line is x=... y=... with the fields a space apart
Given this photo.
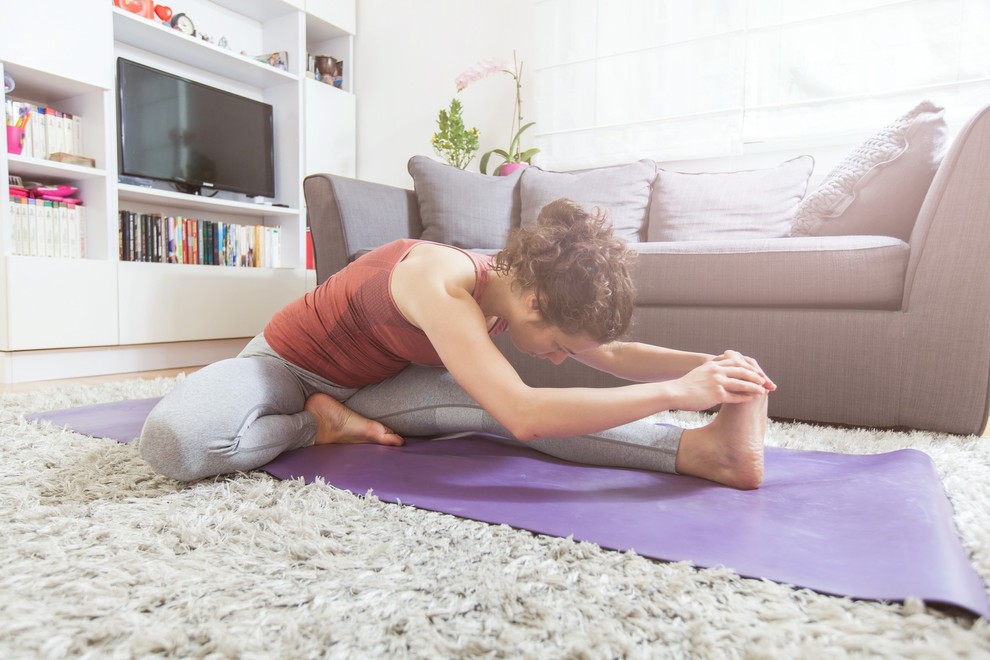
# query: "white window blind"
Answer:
x=618 y=80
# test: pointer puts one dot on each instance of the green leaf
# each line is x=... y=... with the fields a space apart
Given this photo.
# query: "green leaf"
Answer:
x=514 y=145
x=528 y=154
x=453 y=141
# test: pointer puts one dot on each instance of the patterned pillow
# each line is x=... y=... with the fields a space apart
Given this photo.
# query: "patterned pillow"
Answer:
x=879 y=188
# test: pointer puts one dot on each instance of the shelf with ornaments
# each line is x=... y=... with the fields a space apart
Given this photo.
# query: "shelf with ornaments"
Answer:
x=183 y=43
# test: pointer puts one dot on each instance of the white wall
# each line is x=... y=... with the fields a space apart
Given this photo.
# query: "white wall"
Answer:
x=407 y=54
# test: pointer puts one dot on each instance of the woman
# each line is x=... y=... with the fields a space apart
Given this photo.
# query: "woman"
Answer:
x=343 y=365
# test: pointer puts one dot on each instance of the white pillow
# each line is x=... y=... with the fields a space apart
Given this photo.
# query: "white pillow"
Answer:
x=879 y=188
x=728 y=205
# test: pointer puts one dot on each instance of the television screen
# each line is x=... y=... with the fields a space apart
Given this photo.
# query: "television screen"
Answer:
x=192 y=135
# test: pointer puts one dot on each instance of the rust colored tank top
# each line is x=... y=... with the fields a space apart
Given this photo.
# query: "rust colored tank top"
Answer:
x=349 y=330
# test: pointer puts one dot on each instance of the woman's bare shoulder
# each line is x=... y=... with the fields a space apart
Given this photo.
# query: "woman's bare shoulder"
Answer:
x=440 y=264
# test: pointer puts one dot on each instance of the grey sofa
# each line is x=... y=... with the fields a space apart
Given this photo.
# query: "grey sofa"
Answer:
x=855 y=329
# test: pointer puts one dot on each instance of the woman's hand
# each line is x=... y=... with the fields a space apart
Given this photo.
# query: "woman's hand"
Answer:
x=731 y=356
x=727 y=378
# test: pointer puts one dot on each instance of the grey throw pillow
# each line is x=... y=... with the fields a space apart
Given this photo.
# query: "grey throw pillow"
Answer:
x=465 y=209
x=728 y=205
x=622 y=191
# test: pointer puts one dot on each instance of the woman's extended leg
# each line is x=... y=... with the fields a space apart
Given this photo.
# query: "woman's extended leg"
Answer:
x=428 y=401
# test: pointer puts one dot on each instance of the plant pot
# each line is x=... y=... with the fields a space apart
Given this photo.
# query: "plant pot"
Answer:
x=508 y=168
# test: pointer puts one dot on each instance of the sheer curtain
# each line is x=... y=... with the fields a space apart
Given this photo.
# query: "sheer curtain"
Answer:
x=617 y=80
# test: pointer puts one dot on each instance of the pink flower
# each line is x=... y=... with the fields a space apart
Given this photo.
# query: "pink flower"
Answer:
x=487 y=67
x=482 y=69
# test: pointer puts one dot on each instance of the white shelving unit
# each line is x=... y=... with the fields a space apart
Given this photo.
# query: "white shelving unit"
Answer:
x=71 y=317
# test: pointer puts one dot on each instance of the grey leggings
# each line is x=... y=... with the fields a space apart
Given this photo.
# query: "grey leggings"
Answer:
x=238 y=414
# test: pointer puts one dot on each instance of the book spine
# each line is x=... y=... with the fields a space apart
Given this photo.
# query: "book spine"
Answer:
x=158 y=255
x=33 y=233
x=180 y=240
x=72 y=215
x=64 y=232
x=121 y=235
x=48 y=221
x=13 y=210
x=78 y=147
x=50 y=134
x=81 y=223
x=200 y=234
x=66 y=136
x=37 y=122
x=26 y=228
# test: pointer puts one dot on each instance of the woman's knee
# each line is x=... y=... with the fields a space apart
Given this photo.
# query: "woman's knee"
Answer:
x=194 y=431
x=171 y=450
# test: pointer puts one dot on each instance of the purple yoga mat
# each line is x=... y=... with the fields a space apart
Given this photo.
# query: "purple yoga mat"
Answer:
x=121 y=420
x=876 y=527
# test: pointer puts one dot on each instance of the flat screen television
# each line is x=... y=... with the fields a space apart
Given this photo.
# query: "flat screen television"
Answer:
x=192 y=135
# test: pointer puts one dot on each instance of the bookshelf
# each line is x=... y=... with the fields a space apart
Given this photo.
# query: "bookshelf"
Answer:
x=100 y=314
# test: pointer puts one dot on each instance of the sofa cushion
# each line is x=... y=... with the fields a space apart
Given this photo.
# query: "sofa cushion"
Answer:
x=622 y=191
x=465 y=209
x=878 y=189
x=840 y=272
x=728 y=205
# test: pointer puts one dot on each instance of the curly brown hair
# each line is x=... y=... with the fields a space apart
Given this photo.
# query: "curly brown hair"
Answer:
x=578 y=269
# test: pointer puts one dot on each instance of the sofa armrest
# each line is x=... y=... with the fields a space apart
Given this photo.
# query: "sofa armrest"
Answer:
x=951 y=238
x=946 y=353
x=347 y=216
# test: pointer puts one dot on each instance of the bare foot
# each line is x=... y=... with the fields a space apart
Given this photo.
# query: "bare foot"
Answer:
x=729 y=450
x=337 y=424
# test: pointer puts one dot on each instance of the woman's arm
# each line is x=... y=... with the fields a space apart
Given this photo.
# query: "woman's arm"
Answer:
x=642 y=363
x=435 y=299
x=645 y=363
x=460 y=336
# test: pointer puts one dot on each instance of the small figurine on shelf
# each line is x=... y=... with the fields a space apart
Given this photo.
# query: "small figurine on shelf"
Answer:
x=279 y=60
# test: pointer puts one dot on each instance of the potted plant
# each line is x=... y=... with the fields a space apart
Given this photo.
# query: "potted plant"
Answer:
x=454 y=142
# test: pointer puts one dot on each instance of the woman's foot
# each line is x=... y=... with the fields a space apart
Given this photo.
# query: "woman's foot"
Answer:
x=730 y=449
x=337 y=424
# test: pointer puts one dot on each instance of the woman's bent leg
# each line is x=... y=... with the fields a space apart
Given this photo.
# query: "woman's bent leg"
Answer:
x=231 y=416
x=428 y=401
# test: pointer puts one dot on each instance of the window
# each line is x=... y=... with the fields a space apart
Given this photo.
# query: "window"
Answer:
x=618 y=80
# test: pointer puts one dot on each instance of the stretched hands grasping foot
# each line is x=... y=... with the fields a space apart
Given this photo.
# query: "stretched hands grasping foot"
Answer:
x=729 y=450
x=727 y=378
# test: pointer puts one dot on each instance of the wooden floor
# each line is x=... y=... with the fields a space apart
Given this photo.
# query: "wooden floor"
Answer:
x=166 y=373
x=93 y=380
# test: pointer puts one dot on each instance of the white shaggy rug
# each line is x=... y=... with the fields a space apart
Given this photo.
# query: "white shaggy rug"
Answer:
x=102 y=558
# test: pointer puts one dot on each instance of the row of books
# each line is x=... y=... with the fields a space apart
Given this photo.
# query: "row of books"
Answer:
x=159 y=238
x=48 y=130
x=43 y=228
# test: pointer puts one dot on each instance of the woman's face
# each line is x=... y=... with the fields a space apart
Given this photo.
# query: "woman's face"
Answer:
x=548 y=342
